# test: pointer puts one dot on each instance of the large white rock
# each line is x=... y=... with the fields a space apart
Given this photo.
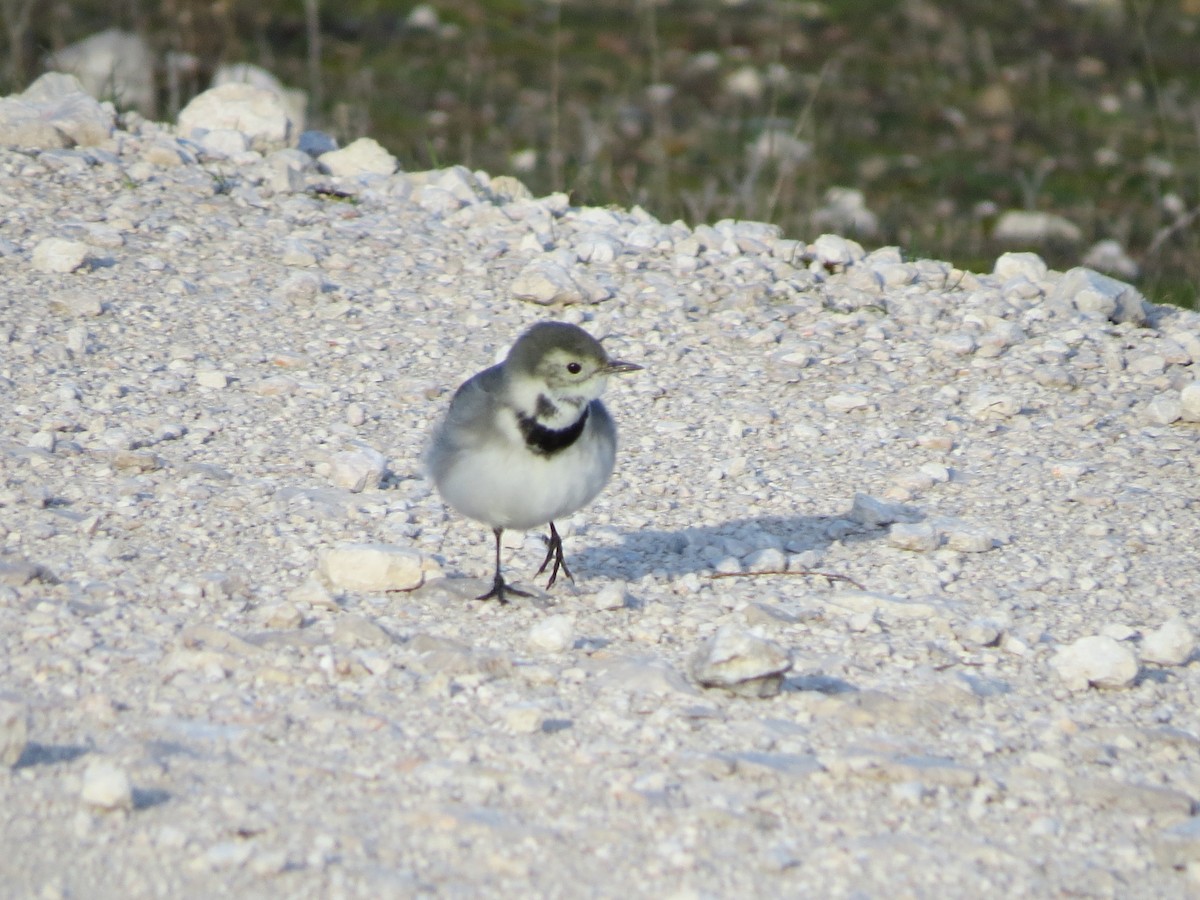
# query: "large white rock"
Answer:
x=1090 y=291
x=294 y=99
x=1097 y=660
x=373 y=567
x=54 y=112
x=112 y=65
x=363 y=157
x=258 y=113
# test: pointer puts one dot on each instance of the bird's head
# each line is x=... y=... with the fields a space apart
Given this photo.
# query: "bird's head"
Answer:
x=562 y=363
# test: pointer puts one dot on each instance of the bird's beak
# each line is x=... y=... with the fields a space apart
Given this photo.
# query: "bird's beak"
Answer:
x=616 y=367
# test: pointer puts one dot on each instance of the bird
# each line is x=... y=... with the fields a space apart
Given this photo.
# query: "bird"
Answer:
x=528 y=441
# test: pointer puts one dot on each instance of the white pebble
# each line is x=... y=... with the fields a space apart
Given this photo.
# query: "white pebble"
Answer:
x=106 y=786
x=1171 y=644
x=920 y=537
x=609 y=597
x=59 y=255
x=357 y=469
x=1097 y=660
x=553 y=634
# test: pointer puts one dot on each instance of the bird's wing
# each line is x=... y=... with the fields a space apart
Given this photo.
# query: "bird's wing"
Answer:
x=471 y=418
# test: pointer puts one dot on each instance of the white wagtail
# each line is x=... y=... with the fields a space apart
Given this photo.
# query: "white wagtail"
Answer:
x=528 y=440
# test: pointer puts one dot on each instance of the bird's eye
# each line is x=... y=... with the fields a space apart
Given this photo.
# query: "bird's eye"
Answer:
x=574 y=368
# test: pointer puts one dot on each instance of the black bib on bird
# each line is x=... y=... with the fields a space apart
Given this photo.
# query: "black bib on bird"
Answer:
x=547 y=441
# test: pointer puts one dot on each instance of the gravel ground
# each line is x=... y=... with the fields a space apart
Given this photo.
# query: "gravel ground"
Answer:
x=217 y=371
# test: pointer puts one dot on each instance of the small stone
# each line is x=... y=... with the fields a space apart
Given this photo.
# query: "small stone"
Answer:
x=358 y=469
x=284 y=616
x=373 y=567
x=1016 y=265
x=1097 y=660
x=313 y=593
x=523 y=718
x=846 y=402
x=546 y=282
x=106 y=786
x=60 y=255
x=553 y=634
x=14 y=731
x=769 y=559
x=1189 y=402
x=920 y=537
x=1091 y=292
x=979 y=632
x=835 y=252
x=987 y=405
x=222 y=142
x=211 y=378
x=1171 y=644
x=874 y=513
x=365 y=156
x=741 y=662
x=315 y=143
x=609 y=597
x=964 y=537
x=357 y=631
x=76 y=303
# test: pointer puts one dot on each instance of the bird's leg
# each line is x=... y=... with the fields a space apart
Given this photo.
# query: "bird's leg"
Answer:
x=499 y=588
x=554 y=551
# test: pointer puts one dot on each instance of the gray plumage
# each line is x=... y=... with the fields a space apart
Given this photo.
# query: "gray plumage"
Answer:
x=528 y=441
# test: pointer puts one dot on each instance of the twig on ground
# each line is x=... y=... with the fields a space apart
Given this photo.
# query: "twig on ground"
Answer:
x=799 y=572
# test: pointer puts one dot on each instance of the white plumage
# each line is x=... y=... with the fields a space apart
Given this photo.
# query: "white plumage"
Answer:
x=528 y=441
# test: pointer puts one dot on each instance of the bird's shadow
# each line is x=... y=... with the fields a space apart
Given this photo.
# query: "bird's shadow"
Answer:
x=699 y=548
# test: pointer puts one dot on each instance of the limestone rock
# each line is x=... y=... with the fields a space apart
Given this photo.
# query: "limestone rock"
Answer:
x=54 y=112
x=373 y=567
x=1171 y=644
x=1097 y=660
x=363 y=157
x=106 y=786
x=1089 y=291
x=258 y=113
x=741 y=662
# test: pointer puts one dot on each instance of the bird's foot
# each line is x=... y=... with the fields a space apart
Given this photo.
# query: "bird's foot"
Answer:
x=554 y=551
x=501 y=591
